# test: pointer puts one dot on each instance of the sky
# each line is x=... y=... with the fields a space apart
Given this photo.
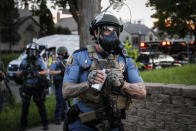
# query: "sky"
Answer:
x=138 y=11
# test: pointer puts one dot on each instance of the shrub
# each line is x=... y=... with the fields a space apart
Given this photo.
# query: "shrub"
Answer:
x=133 y=53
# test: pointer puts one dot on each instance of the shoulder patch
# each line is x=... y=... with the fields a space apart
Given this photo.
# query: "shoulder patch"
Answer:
x=70 y=60
x=81 y=49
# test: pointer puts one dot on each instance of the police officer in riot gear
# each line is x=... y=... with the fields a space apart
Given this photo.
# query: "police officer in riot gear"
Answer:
x=104 y=63
x=57 y=69
x=32 y=69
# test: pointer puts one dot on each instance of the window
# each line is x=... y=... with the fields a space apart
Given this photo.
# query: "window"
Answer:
x=135 y=40
x=126 y=38
x=150 y=37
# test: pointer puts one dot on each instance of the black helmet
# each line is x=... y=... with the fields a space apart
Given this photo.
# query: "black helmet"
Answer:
x=105 y=19
x=32 y=50
x=61 y=50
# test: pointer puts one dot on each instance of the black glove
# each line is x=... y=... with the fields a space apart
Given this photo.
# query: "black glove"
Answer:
x=62 y=70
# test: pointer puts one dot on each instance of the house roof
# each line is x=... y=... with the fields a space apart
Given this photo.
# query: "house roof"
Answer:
x=24 y=12
x=21 y=20
x=137 y=29
x=68 y=22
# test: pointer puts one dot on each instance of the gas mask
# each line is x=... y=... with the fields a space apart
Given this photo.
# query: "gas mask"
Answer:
x=110 y=43
x=32 y=54
x=65 y=56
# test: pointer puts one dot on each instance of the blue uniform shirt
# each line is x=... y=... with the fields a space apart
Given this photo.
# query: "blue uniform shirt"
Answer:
x=23 y=66
x=56 y=66
x=81 y=58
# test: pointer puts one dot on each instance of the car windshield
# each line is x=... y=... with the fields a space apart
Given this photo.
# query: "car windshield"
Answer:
x=23 y=55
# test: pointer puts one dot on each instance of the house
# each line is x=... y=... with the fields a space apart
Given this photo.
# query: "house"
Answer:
x=137 y=33
x=68 y=22
x=28 y=28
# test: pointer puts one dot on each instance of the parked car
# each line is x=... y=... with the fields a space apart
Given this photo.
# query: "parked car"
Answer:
x=13 y=68
x=155 y=60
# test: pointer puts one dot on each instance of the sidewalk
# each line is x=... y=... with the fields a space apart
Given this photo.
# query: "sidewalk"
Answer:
x=51 y=127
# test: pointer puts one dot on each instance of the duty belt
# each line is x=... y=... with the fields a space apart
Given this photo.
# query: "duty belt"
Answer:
x=93 y=119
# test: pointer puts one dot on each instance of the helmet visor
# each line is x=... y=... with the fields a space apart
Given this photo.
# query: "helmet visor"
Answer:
x=32 y=52
x=109 y=28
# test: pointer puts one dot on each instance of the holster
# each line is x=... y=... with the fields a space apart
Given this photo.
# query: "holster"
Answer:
x=66 y=124
x=72 y=114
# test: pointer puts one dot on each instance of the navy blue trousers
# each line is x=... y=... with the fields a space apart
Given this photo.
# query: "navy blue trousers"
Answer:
x=39 y=99
x=60 y=106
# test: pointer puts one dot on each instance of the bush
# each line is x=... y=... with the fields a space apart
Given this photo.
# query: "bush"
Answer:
x=61 y=30
x=6 y=58
x=133 y=53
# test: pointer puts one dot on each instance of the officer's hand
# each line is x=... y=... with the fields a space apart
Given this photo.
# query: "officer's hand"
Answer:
x=113 y=78
x=96 y=77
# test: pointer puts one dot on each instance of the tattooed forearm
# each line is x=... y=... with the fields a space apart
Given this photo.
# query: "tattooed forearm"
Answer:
x=71 y=90
x=136 y=90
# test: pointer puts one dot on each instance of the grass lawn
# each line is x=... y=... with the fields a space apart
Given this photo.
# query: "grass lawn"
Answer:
x=10 y=116
x=177 y=75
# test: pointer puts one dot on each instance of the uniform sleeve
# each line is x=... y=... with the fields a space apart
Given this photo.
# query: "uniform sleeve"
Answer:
x=22 y=65
x=53 y=66
x=43 y=66
x=72 y=70
x=132 y=72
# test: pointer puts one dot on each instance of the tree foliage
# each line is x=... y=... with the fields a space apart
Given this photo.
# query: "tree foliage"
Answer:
x=176 y=17
x=46 y=19
x=133 y=53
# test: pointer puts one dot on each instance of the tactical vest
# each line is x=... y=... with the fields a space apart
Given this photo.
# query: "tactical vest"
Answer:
x=31 y=72
x=92 y=98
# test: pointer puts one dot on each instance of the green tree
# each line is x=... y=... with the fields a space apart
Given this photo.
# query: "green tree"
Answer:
x=46 y=19
x=175 y=17
x=133 y=53
x=8 y=19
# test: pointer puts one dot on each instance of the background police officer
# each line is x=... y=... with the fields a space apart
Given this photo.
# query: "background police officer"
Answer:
x=85 y=69
x=32 y=69
x=57 y=69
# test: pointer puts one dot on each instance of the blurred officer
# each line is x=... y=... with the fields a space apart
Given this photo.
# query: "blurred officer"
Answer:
x=32 y=69
x=57 y=69
x=52 y=55
x=95 y=107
